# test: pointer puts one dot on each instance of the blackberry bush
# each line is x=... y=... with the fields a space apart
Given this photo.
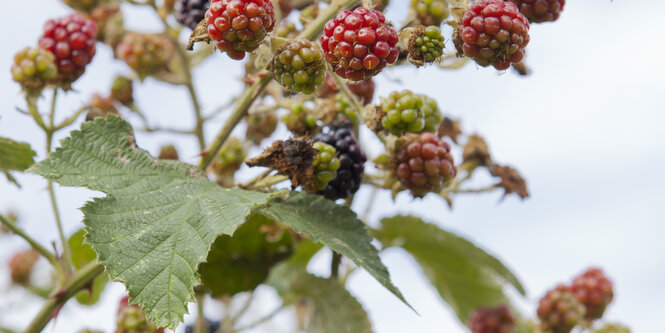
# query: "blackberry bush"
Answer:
x=299 y=66
x=493 y=32
x=325 y=164
x=33 y=68
x=239 y=26
x=492 y=320
x=423 y=163
x=408 y=112
x=559 y=310
x=190 y=12
x=72 y=40
x=351 y=161
x=359 y=44
x=539 y=11
x=430 y=12
x=594 y=290
x=146 y=54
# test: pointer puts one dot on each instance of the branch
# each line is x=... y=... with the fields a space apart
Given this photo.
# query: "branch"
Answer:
x=79 y=281
x=35 y=245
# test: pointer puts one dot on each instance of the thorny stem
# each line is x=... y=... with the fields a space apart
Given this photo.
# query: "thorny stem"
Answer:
x=311 y=31
x=79 y=281
x=35 y=245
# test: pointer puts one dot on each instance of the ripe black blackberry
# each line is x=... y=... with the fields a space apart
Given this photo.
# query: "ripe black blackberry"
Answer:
x=191 y=12
x=351 y=157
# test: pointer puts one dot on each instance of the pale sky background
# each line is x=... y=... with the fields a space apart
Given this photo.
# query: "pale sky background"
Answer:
x=586 y=130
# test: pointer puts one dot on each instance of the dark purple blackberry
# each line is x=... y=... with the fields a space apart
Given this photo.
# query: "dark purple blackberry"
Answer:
x=352 y=161
x=191 y=12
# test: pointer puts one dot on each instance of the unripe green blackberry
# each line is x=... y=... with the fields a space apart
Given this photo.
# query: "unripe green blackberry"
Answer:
x=430 y=12
x=560 y=311
x=301 y=121
x=32 y=68
x=345 y=109
x=228 y=161
x=325 y=164
x=146 y=54
x=122 y=90
x=299 y=66
x=82 y=5
x=612 y=328
x=408 y=112
x=260 y=126
x=426 y=45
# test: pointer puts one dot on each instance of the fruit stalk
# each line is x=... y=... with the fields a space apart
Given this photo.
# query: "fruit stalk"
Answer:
x=247 y=99
x=35 y=245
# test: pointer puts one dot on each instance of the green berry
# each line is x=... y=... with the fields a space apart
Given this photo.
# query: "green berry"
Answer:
x=345 y=109
x=408 y=112
x=325 y=164
x=428 y=45
x=33 y=67
x=299 y=66
x=430 y=12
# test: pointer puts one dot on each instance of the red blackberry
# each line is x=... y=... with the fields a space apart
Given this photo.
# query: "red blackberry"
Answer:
x=559 y=310
x=299 y=66
x=359 y=44
x=363 y=89
x=325 y=164
x=493 y=32
x=33 y=68
x=351 y=159
x=492 y=320
x=72 y=40
x=424 y=163
x=408 y=112
x=430 y=12
x=540 y=10
x=191 y=12
x=239 y=26
x=20 y=266
x=146 y=54
x=594 y=290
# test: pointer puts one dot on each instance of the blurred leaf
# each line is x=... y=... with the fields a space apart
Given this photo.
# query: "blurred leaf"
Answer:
x=158 y=220
x=336 y=227
x=465 y=276
x=82 y=254
x=15 y=156
x=242 y=262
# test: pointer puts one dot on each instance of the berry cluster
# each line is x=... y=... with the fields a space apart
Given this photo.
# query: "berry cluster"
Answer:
x=426 y=45
x=146 y=54
x=301 y=120
x=408 y=112
x=594 y=290
x=191 y=12
x=344 y=109
x=33 y=67
x=492 y=320
x=20 y=266
x=540 y=10
x=493 y=32
x=559 y=310
x=299 y=66
x=72 y=40
x=430 y=12
x=359 y=44
x=260 y=125
x=424 y=163
x=325 y=164
x=239 y=26
x=351 y=161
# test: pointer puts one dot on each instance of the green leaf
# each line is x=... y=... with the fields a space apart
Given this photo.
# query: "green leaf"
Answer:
x=465 y=276
x=158 y=220
x=242 y=262
x=336 y=227
x=334 y=309
x=15 y=156
x=83 y=254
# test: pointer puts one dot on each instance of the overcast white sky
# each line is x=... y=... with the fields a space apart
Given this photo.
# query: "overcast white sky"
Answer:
x=586 y=130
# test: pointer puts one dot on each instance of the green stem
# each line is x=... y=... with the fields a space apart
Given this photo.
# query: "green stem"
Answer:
x=260 y=321
x=79 y=281
x=71 y=119
x=35 y=245
x=334 y=265
x=201 y=325
x=34 y=112
x=310 y=32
